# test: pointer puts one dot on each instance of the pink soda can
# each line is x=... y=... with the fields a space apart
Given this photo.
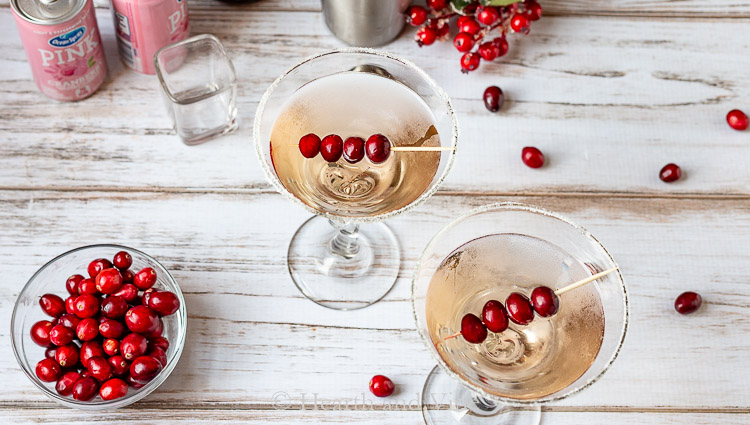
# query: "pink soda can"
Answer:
x=62 y=42
x=145 y=26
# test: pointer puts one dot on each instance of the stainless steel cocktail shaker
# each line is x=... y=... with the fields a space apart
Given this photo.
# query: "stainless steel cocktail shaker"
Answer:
x=365 y=23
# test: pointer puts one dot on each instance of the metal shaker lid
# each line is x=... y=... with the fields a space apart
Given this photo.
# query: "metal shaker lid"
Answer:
x=47 y=12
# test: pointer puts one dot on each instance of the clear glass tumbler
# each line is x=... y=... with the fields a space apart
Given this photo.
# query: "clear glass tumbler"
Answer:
x=200 y=87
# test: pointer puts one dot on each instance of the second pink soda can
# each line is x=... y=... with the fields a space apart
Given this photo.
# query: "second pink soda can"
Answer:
x=145 y=26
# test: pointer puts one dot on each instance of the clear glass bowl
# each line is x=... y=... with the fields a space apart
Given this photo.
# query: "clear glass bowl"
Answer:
x=51 y=279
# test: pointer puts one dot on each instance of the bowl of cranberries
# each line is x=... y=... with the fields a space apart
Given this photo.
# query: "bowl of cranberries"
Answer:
x=99 y=327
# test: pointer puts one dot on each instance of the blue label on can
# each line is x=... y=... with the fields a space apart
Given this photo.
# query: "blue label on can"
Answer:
x=68 y=39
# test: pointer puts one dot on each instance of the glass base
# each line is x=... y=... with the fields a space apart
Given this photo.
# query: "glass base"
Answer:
x=447 y=402
x=343 y=282
x=192 y=139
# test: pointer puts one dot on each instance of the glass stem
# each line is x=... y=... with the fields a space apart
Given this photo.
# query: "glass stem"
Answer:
x=346 y=242
x=484 y=405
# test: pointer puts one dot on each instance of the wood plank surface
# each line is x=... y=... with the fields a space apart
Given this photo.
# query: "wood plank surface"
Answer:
x=610 y=101
x=252 y=335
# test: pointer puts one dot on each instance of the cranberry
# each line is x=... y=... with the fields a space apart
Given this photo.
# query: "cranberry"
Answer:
x=97 y=266
x=40 y=332
x=545 y=301
x=134 y=383
x=145 y=278
x=145 y=368
x=120 y=366
x=157 y=332
x=133 y=345
x=309 y=146
x=469 y=62
x=519 y=308
x=85 y=389
x=65 y=384
x=113 y=389
x=70 y=304
x=533 y=11
x=381 y=386
x=128 y=292
x=141 y=319
x=441 y=28
x=86 y=306
x=520 y=23
x=737 y=120
x=67 y=355
x=502 y=46
x=494 y=316
x=110 y=328
x=488 y=51
x=122 y=260
x=469 y=25
x=99 y=368
x=332 y=147
x=72 y=284
x=111 y=347
x=532 y=157
x=494 y=99
x=670 y=173
x=50 y=353
x=688 y=302
x=164 y=303
x=463 y=41
x=61 y=335
x=378 y=148
x=108 y=281
x=437 y=4
x=87 y=329
x=48 y=370
x=487 y=15
x=159 y=355
x=472 y=329
x=147 y=296
x=160 y=342
x=426 y=36
x=127 y=276
x=91 y=349
x=69 y=321
x=87 y=287
x=416 y=15
x=114 y=307
x=52 y=305
x=354 y=149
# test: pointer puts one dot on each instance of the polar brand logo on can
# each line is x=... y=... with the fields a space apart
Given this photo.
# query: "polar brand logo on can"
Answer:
x=68 y=39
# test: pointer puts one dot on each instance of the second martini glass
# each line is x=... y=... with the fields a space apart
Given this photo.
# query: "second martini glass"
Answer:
x=345 y=257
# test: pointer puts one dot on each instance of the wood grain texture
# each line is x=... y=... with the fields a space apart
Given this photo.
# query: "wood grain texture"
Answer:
x=609 y=101
x=252 y=335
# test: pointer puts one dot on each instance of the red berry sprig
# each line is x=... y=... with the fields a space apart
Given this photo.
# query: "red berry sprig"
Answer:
x=477 y=22
x=105 y=337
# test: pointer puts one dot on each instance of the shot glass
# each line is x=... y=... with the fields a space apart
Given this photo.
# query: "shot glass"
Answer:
x=200 y=87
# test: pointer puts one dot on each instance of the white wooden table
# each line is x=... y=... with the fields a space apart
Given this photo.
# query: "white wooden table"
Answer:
x=609 y=90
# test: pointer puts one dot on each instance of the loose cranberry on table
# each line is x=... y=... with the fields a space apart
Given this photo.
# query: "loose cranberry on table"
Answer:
x=670 y=173
x=737 y=120
x=472 y=329
x=97 y=266
x=122 y=260
x=65 y=384
x=494 y=316
x=48 y=370
x=52 y=305
x=519 y=308
x=309 y=146
x=85 y=389
x=332 y=147
x=113 y=389
x=545 y=301
x=688 y=302
x=40 y=332
x=494 y=99
x=108 y=281
x=532 y=157
x=354 y=149
x=381 y=386
x=145 y=278
x=378 y=148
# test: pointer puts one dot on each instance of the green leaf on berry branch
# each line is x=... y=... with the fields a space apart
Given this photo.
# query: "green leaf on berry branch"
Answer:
x=458 y=5
x=498 y=2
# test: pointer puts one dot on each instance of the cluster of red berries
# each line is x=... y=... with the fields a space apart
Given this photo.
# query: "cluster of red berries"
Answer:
x=333 y=147
x=107 y=335
x=475 y=23
x=518 y=308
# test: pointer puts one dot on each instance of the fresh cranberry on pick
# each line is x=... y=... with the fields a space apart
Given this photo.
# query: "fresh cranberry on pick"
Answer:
x=472 y=329
x=688 y=302
x=426 y=36
x=354 y=149
x=519 y=308
x=309 y=146
x=48 y=370
x=378 y=148
x=332 y=147
x=545 y=301
x=494 y=316
x=381 y=386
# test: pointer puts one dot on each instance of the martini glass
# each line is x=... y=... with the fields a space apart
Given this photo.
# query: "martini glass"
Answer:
x=487 y=254
x=345 y=257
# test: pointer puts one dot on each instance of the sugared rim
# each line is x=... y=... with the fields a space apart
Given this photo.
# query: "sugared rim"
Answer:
x=140 y=393
x=273 y=179
x=514 y=206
